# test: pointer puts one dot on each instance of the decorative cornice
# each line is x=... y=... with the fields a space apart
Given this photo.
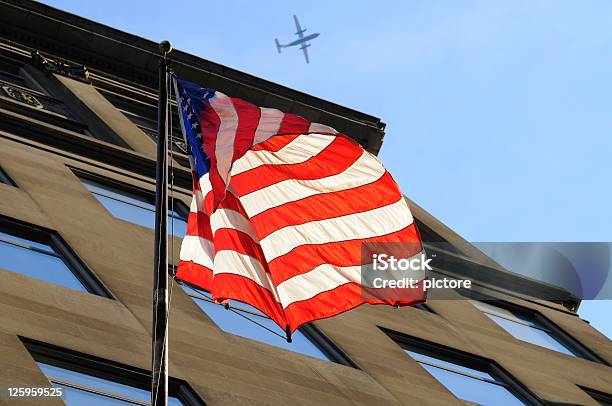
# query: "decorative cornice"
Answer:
x=44 y=136
x=61 y=67
x=121 y=55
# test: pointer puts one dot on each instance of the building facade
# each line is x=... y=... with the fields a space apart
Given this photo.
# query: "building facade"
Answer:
x=77 y=166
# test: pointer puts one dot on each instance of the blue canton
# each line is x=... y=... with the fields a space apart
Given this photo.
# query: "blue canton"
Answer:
x=190 y=98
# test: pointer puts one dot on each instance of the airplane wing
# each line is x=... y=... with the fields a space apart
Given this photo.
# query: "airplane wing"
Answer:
x=300 y=31
x=304 y=48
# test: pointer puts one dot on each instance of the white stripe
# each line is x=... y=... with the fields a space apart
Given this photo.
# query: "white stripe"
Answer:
x=297 y=151
x=321 y=128
x=366 y=169
x=233 y=262
x=205 y=189
x=227 y=218
x=269 y=123
x=198 y=250
x=197 y=202
x=205 y=184
x=224 y=146
x=326 y=277
x=323 y=278
x=372 y=223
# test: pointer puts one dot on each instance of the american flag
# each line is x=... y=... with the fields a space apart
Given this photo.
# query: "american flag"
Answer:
x=281 y=208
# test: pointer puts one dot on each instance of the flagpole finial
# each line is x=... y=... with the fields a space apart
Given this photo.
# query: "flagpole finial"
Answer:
x=165 y=47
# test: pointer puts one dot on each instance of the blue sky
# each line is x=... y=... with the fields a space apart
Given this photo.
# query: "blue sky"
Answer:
x=498 y=112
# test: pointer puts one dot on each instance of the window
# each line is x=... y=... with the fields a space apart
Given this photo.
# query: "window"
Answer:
x=11 y=72
x=90 y=381
x=424 y=307
x=468 y=377
x=4 y=178
x=136 y=208
x=525 y=327
x=83 y=389
x=43 y=255
x=602 y=398
x=466 y=383
x=241 y=319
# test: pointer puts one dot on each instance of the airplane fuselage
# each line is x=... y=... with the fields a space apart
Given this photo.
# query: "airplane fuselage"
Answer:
x=302 y=40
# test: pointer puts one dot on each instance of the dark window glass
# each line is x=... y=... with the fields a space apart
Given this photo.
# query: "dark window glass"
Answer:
x=424 y=307
x=234 y=320
x=602 y=398
x=36 y=259
x=523 y=327
x=466 y=383
x=4 y=178
x=134 y=208
x=10 y=72
x=82 y=389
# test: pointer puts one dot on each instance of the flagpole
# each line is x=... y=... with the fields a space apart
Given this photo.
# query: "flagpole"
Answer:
x=159 y=370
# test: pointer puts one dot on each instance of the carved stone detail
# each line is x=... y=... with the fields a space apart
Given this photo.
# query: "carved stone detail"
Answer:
x=60 y=67
x=180 y=144
x=22 y=96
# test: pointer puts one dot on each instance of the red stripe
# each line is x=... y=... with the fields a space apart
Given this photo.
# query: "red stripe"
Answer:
x=334 y=159
x=291 y=127
x=248 y=119
x=229 y=202
x=346 y=297
x=195 y=181
x=293 y=124
x=195 y=274
x=237 y=287
x=379 y=193
x=275 y=143
x=210 y=123
x=234 y=240
x=198 y=224
x=304 y=258
x=234 y=287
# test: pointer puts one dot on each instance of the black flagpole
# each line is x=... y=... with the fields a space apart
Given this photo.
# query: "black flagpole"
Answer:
x=159 y=378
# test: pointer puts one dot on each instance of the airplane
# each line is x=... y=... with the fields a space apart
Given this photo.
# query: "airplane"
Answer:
x=302 y=40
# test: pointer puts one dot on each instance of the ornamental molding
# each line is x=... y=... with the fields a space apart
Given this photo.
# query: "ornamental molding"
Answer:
x=21 y=96
x=61 y=67
x=180 y=144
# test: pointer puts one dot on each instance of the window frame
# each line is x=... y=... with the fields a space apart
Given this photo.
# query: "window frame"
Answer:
x=465 y=359
x=175 y=204
x=61 y=250
x=599 y=397
x=105 y=369
x=543 y=323
x=312 y=333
